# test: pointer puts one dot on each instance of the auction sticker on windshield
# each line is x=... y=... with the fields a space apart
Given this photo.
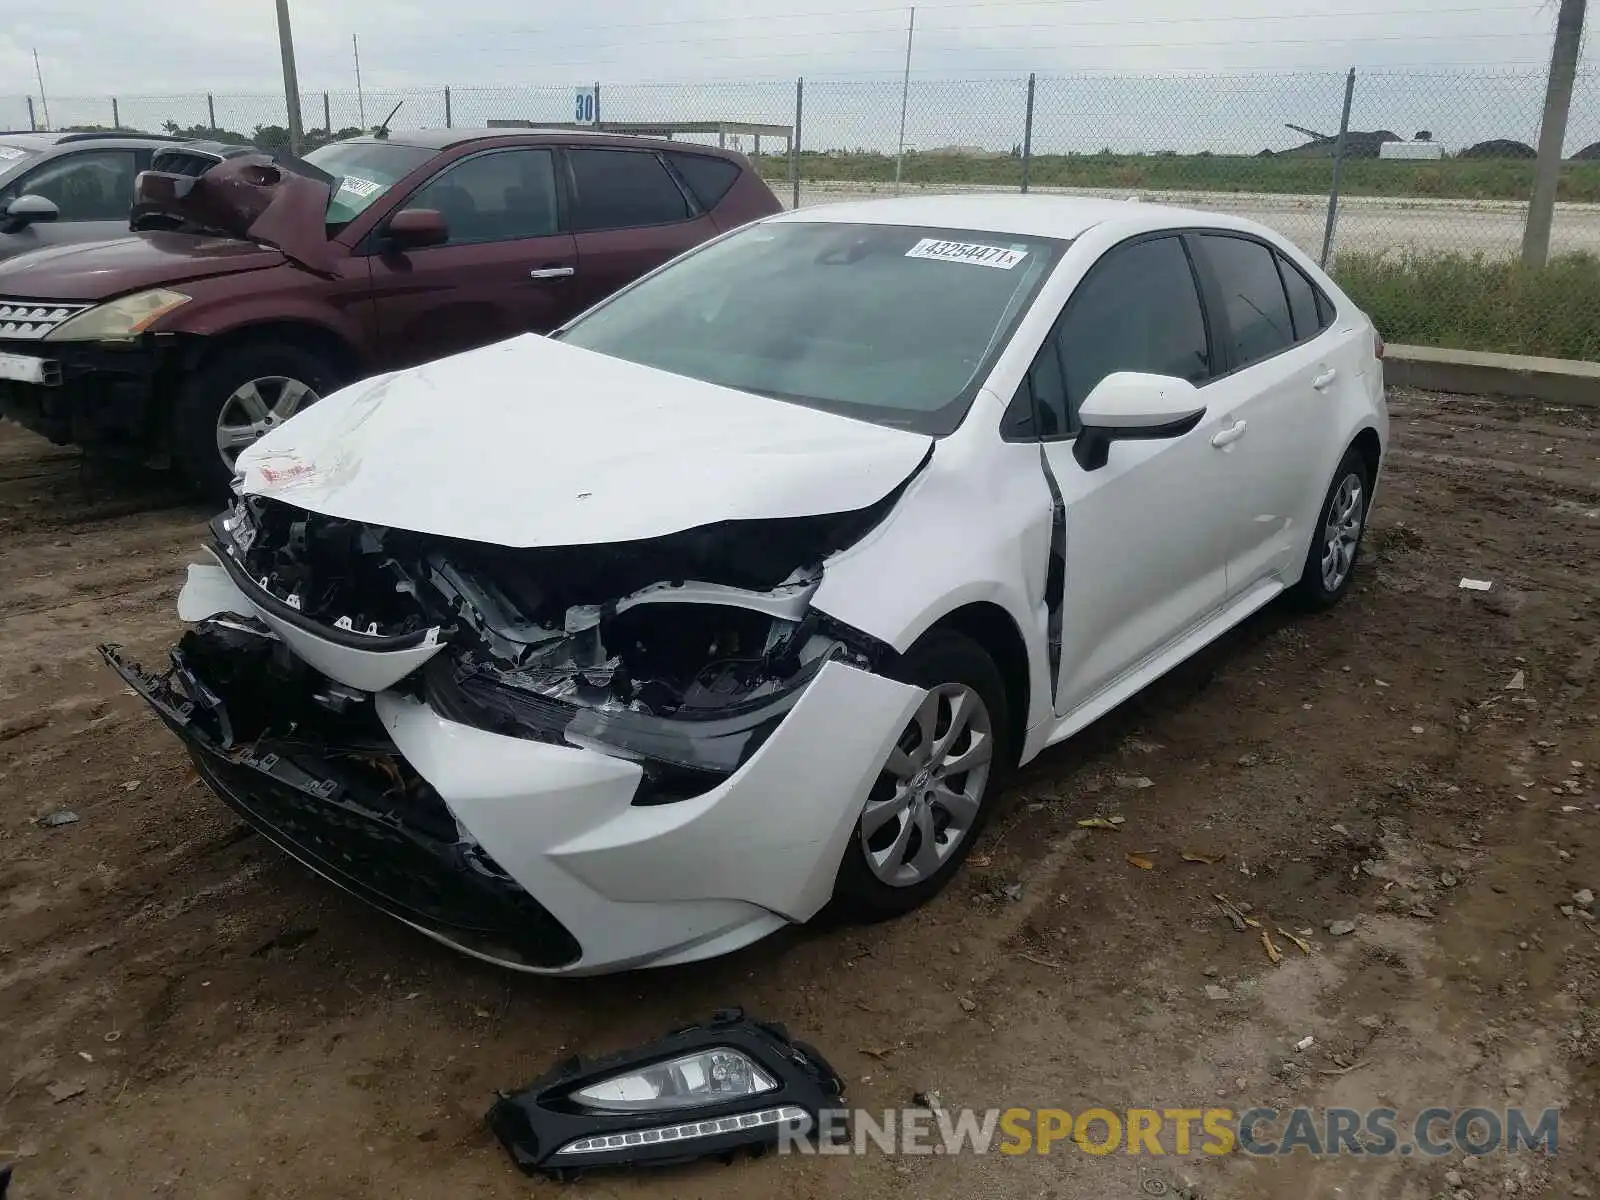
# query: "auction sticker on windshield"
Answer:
x=356 y=186
x=7 y=153
x=967 y=252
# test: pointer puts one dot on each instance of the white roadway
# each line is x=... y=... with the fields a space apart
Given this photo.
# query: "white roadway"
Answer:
x=1367 y=223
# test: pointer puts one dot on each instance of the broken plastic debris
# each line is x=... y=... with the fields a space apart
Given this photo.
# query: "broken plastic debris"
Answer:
x=62 y=816
x=1476 y=585
x=1140 y=861
x=1305 y=1043
x=1519 y=680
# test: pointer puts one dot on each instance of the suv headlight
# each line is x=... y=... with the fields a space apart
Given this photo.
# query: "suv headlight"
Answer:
x=119 y=320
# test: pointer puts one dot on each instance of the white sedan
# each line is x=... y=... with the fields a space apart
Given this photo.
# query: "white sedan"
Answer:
x=740 y=595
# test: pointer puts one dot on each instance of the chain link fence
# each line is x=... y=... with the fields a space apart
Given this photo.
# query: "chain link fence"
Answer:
x=1425 y=229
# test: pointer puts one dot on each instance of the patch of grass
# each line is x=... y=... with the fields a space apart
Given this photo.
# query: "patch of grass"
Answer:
x=1475 y=303
x=1450 y=178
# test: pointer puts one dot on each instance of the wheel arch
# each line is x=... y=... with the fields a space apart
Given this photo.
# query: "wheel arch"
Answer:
x=307 y=335
x=997 y=633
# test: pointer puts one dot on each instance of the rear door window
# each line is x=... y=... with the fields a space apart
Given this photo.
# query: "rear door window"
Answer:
x=623 y=189
x=1253 y=300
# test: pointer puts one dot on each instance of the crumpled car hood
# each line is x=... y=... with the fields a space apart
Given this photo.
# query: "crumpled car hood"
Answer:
x=532 y=442
x=276 y=200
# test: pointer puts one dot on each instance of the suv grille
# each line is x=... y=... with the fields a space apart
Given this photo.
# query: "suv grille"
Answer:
x=30 y=320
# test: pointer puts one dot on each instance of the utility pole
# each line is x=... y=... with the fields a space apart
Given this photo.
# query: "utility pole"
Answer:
x=1553 y=132
x=361 y=102
x=43 y=102
x=905 y=93
x=291 y=81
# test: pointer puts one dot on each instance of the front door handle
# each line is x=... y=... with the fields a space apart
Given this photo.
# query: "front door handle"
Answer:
x=1323 y=381
x=553 y=273
x=1229 y=435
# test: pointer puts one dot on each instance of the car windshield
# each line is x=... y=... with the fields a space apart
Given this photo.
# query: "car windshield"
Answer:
x=888 y=323
x=365 y=171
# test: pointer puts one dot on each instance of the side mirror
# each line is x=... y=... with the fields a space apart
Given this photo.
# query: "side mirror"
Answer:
x=415 y=228
x=27 y=210
x=1130 y=406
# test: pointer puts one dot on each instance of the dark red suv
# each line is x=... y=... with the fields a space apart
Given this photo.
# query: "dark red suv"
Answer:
x=253 y=284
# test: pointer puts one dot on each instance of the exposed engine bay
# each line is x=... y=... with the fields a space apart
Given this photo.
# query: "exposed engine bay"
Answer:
x=682 y=652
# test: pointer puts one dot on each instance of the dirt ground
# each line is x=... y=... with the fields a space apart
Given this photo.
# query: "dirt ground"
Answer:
x=241 y=1029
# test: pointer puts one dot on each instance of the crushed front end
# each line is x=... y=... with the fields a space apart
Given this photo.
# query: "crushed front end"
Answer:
x=574 y=758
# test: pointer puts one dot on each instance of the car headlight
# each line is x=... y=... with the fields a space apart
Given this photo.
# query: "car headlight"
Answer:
x=709 y=1077
x=704 y=1090
x=119 y=320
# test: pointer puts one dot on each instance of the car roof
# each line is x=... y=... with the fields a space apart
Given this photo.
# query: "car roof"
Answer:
x=445 y=139
x=1036 y=215
x=117 y=139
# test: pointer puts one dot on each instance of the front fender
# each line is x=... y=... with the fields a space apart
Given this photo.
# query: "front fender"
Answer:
x=974 y=527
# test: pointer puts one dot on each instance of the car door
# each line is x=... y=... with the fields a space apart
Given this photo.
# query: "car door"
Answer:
x=1280 y=368
x=506 y=269
x=92 y=190
x=629 y=215
x=1146 y=537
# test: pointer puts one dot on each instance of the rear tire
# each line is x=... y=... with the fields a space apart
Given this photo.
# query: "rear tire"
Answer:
x=217 y=404
x=892 y=864
x=1336 y=541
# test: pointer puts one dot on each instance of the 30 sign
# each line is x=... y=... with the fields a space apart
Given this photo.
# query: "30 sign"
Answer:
x=586 y=105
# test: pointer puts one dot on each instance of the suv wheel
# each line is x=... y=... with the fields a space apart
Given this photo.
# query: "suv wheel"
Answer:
x=236 y=398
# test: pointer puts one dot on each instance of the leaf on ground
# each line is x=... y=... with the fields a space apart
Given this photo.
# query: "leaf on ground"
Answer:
x=1140 y=861
x=1192 y=856
x=1097 y=823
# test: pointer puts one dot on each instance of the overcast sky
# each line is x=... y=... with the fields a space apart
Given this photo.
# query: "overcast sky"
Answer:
x=93 y=47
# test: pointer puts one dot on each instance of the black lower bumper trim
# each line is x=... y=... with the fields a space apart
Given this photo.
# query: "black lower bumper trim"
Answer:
x=362 y=818
x=110 y=398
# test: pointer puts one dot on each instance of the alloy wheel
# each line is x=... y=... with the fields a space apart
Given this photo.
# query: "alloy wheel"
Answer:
x=927 y=799
x=255 y=409
x=1342 y=532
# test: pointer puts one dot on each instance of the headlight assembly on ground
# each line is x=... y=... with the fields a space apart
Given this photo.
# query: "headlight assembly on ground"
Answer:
x=702 y=1091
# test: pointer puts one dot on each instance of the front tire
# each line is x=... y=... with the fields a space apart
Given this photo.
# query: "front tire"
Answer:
x=236 y=397
x=932 y=797
x=1336 y=542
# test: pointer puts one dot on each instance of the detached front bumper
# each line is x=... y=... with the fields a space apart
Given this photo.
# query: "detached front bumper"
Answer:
x=533 y=855
x=109 y=397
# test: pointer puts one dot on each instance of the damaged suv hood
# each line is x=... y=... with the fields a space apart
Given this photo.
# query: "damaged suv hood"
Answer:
x=272 y=200
x=532 y=442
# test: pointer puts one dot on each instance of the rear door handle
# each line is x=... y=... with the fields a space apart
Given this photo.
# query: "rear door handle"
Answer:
x=1322 y=382
x=553 y=273
x=1229 y=435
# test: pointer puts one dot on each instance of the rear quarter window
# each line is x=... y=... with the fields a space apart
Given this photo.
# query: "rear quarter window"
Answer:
x=708 y=179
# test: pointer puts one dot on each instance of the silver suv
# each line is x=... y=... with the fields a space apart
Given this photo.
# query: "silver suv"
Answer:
x=68 y=187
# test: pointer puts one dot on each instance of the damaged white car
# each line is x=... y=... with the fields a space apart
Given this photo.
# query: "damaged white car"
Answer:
x=740 y=594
